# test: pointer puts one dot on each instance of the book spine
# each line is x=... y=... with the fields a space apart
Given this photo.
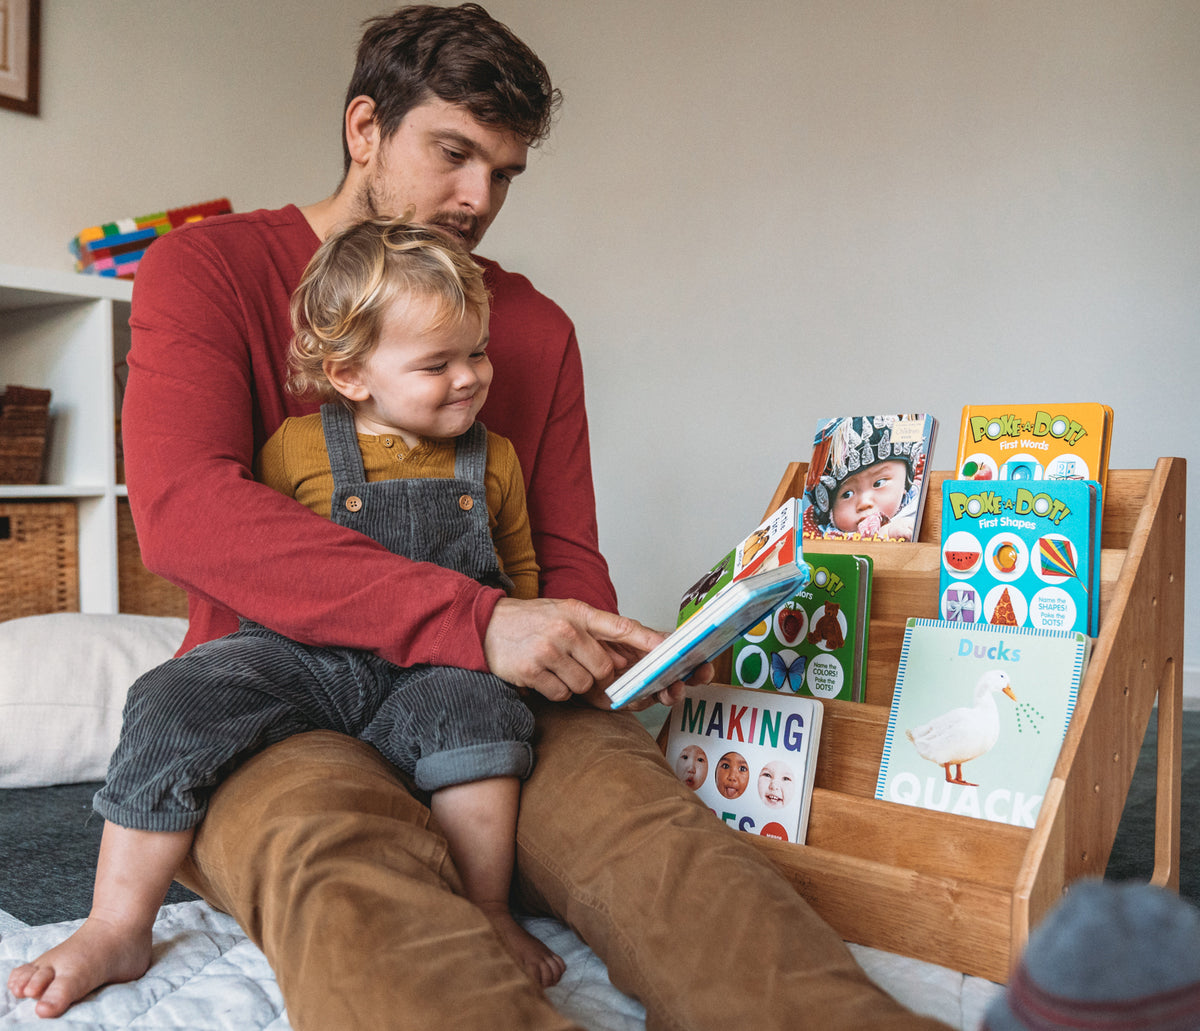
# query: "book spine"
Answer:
x=890 y=734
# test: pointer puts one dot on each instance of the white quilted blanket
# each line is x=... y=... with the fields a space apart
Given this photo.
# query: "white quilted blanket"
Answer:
x=207 y=976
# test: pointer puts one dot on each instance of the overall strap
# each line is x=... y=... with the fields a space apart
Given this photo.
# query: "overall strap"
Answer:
x=341 y=441
x=470 y=454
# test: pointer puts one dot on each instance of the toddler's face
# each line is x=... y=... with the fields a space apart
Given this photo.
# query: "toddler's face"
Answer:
x=422 y=379
x=871 y=493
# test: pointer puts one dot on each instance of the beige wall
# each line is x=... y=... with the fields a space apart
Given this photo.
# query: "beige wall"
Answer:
x=757 y=213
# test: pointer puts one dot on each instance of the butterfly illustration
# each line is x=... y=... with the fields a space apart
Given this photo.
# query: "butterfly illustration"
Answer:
x=788 y=674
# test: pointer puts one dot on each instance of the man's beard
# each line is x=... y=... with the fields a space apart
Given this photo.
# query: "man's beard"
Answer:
x=463 y=227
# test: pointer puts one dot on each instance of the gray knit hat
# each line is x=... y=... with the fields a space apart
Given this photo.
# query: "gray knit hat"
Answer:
x=1112 y=957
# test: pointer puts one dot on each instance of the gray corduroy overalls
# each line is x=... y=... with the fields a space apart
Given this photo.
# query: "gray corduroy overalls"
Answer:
x=189 y=722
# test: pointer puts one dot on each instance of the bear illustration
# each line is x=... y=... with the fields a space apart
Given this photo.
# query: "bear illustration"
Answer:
x=827 y=631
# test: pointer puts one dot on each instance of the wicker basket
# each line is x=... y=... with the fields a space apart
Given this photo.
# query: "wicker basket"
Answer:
x=139 y=590
x=24 y=418
x=39 y=558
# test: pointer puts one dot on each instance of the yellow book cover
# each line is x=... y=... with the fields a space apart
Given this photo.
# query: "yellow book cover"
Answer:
x=1035 y=442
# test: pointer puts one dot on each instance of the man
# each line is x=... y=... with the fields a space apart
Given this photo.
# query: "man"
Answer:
x=317 y=846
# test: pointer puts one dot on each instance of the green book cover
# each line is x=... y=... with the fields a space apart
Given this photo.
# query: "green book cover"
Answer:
x=815 y=643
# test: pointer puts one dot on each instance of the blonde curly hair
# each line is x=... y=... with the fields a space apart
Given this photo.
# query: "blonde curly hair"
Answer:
x=351 y=283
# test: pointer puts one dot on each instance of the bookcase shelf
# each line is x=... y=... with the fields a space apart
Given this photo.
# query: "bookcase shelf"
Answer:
x=964 y=892
x=70 y=333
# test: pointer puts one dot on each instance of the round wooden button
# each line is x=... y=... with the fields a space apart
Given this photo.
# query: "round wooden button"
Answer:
x=353 y=503
x=466 y=502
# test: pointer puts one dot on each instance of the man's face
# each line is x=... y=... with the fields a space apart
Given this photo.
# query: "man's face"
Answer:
x=451 y=169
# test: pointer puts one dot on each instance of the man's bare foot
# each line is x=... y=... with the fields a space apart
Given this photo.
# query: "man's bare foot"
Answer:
x=543 y=965
x=97 y=953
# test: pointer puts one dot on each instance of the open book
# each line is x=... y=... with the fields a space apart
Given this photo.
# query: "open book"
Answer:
x=763 y=570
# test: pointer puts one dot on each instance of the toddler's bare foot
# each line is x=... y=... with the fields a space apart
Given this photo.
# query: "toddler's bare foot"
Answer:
x=543 y=965
x=98 y=953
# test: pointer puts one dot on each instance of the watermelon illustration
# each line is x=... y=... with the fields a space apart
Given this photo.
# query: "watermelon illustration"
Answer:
x=961 y=560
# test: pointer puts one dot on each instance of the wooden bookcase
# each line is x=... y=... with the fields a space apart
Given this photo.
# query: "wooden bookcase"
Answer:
x=964 y=892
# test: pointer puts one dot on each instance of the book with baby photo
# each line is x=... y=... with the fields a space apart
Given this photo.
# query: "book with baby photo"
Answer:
x=815 y=643
x=978 y=718
x=750 y=756
x=736 y=593
x=866 y=477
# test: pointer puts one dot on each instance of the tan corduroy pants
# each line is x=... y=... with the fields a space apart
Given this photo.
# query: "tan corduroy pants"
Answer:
x=335 y=870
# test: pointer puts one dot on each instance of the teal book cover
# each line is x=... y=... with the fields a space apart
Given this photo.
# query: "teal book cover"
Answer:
x=1021 y=553
x=764 y=569
x=978 y=718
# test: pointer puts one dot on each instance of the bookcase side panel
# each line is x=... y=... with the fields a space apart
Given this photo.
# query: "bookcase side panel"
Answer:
x=1140 y=644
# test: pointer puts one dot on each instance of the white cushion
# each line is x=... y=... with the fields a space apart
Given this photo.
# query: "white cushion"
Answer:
x=63 y=681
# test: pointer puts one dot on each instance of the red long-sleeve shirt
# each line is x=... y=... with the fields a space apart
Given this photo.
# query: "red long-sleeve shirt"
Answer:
x=211 y=328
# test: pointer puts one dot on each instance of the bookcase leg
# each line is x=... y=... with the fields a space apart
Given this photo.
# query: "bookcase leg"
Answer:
x=1169 y=777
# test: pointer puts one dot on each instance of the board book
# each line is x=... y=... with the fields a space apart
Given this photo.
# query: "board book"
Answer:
x=750 y=756
x=815 y=643
x=1035 y=442
x=1021 y=553
x=736 y=593
x=866 y=478
x=978 y=718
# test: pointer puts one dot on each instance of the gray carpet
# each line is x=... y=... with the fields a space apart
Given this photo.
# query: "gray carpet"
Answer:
x=49 y=838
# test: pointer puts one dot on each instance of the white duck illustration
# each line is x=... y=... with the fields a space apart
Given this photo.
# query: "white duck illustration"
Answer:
x=964 y=733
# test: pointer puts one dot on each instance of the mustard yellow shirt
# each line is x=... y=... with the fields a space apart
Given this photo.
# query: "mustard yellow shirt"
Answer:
x=295 y=462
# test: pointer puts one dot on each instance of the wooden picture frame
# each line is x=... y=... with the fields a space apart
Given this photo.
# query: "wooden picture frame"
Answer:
x=20 y=53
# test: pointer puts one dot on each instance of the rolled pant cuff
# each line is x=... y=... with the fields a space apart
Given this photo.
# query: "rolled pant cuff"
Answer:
x=143 y=820
x=474 y=762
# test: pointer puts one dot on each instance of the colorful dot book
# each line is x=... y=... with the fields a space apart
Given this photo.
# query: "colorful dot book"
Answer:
x=1035 y=442
x=1021 y=553
x=815 y=643
x=764 y=569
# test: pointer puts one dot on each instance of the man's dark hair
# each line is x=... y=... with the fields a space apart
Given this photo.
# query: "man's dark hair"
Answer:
x=461 y=55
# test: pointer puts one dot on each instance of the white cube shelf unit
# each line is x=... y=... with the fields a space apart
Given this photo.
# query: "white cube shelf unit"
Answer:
x=69 y=332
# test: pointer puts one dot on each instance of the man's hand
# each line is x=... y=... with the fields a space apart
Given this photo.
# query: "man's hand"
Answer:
x=561 y=648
